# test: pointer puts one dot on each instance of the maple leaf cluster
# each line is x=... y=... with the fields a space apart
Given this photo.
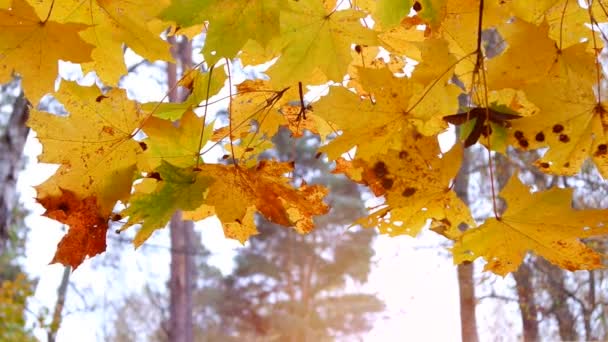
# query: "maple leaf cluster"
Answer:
x=540 y=89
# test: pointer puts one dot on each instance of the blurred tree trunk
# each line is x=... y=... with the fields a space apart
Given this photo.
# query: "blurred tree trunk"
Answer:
x=466 y=280
x=57 y=312
x=11 y=150
x=527 y=306
x=559 y=296
x=181 y=282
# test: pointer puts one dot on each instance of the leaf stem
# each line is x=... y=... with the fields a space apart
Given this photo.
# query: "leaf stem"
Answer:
x=200 y=139
x=230 y=113
x=595 y=51
x=48 y=15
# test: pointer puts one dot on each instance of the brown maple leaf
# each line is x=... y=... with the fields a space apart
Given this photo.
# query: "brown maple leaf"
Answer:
x=87 y=230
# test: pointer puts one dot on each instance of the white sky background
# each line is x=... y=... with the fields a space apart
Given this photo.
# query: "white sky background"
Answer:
x=414 y=277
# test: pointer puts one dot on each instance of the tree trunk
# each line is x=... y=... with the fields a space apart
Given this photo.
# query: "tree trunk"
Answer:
x=61 y=295
x=466 y=281
x=559 y=295
x=527 y=306
x=11 y=150
x=181 y=280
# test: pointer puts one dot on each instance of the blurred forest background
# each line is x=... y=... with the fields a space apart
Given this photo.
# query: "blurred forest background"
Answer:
x=281 y=286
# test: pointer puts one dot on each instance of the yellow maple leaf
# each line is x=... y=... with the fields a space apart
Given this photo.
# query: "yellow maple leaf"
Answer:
x=93 y=144
x=317 y=37
x=459 y=28
x=542 y=222
x=416 y=185
x=179 y=146
x=265 y=188
x=571 y=121
x=566 y=20
x=112 y=23
x=32 y=46
x=381 y=122
x=240 y=20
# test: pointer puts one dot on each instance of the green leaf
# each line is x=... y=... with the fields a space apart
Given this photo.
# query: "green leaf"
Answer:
x=390 y=12
x=155 y=201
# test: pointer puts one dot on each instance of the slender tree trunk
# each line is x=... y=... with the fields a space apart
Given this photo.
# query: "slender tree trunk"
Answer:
x=61 y=295
x=527 y=306
x=181 y=280
x=466 y=280
x=11 y=150
x=559 y=295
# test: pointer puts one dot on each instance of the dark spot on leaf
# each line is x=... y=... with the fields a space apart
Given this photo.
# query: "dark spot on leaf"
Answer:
x=155 y=175
x=63 y=207
x=519 y=135
x=100 y=97
x=358 y=48
x=143 y=145
x=380 y=169
x=567 y=164
x=558 y=128
x=116 y=217
x=602 y=149
x=540 y=137
x=403 y=154
x=564 y=138
x=544 y=165
x=387 y=183
x=408 y=192
x=238 y=221
x=225 y=156
x=318 y=155
x=524 y=143
x=249 y=149
x=417 y=6
x=487 y=130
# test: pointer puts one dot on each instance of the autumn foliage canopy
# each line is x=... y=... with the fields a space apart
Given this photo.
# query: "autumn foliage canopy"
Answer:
x=138 y=163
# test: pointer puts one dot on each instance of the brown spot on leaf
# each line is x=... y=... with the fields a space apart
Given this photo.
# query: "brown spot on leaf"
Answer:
x=602 y=149
x=564 y=138
x=155 y=175
x=380 y=169
x=408 y=192
x=558 y=128
x=100 y=98
x=417 y=6
x=540 y=137
x=358 y=48
x=524 y=143
x=387 y=183
x=544 y=165
x=519 y=135
x=403 y=154
x=109 y=130
x=143 y=145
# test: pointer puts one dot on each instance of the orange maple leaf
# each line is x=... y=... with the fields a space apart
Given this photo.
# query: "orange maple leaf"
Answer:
x=87 y=229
